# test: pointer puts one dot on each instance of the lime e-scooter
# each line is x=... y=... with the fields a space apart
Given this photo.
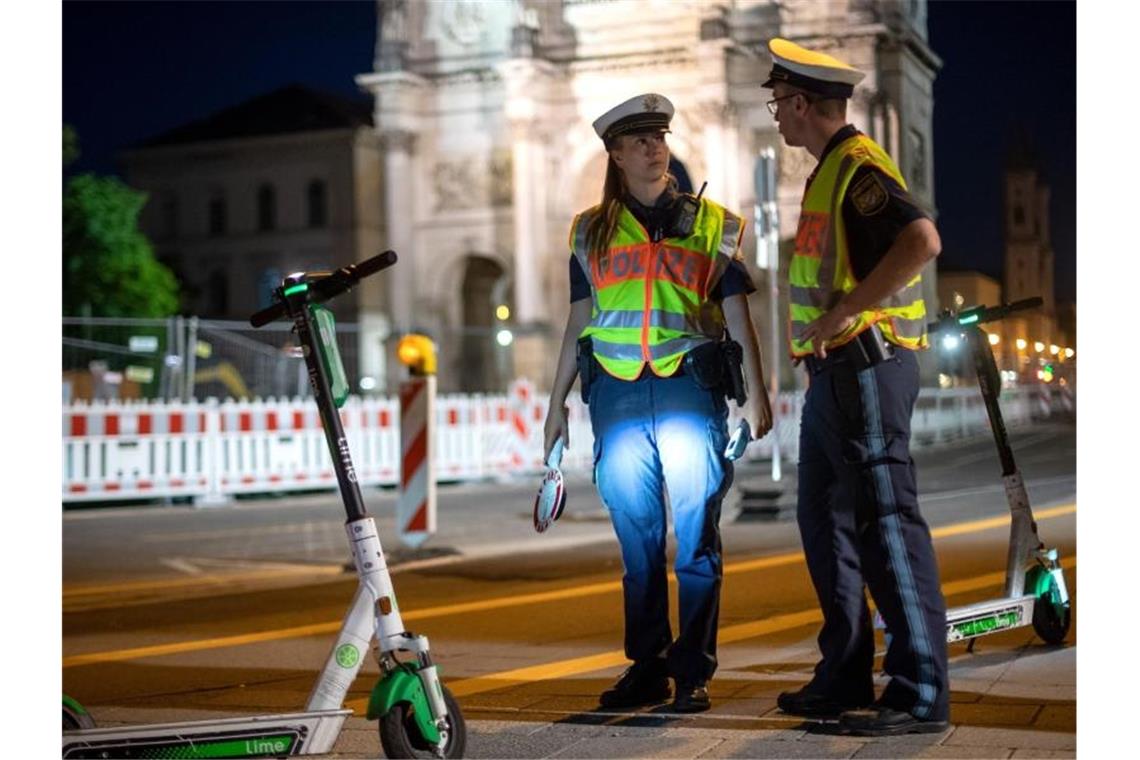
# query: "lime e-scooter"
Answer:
x=418 y=715
x=1035 y=591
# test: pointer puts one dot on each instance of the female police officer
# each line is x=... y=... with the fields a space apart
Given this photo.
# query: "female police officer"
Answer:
x=656 y=277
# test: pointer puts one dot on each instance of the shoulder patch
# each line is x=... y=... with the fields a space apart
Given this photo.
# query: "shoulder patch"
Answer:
x=869 y=194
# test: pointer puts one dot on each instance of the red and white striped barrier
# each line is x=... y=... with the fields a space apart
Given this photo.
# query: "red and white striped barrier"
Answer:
x=136 y=450
x=415 y=505
x=213 y=450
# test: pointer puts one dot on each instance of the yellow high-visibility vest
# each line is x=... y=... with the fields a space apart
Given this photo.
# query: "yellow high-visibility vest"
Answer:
x=821 y=273
x=650 y=302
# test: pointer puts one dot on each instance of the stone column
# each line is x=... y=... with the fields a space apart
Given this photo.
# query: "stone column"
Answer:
x=397 y=102
x=400 y=215
x=523 y=78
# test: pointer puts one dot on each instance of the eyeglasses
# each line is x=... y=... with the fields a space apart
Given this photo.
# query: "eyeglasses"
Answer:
x=772 y=103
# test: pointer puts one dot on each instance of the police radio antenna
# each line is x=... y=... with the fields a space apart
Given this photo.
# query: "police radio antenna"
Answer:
x=702 y=190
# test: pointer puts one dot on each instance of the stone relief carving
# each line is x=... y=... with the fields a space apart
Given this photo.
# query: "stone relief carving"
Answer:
x=463 y=20
x=455 y=185
x=473 y=182
x=393 y=20
x=500 y=178
x=795 y=164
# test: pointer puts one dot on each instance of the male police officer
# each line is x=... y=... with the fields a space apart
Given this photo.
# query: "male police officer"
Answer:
x=857 y=318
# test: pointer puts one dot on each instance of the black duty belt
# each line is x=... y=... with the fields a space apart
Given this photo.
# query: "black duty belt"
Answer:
x=867 y=349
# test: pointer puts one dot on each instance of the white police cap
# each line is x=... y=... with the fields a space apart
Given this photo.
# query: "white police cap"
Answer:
x=644 y=113
x=808 y=70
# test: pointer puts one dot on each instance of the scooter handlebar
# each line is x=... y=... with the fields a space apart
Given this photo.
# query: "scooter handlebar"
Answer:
x=979 y=314
x=329 y=287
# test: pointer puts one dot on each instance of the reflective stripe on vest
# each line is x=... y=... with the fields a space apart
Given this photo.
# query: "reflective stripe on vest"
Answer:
x=650 y=301
x=820 y=272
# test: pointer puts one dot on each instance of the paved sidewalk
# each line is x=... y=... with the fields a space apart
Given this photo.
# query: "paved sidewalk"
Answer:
x=1012 y=698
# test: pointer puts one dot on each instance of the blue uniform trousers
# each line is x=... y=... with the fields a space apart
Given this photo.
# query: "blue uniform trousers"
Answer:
x=860 y=525
x=654 y=436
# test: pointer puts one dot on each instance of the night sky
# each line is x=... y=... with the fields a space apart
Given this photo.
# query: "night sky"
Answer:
x=133 y=70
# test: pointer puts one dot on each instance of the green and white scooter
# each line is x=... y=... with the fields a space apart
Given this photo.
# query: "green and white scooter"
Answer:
x=418 y=715
x=1035 y=592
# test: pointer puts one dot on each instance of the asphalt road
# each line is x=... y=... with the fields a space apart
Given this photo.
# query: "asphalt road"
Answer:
x=153 y=597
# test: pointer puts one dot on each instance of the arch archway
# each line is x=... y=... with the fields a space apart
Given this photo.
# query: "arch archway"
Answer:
x=481 y=361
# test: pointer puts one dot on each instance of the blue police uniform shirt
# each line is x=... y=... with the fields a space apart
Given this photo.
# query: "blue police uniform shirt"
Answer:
x=871 y=229
x=657 y=220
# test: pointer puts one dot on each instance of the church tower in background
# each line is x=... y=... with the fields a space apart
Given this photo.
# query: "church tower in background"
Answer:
x=1028 y=250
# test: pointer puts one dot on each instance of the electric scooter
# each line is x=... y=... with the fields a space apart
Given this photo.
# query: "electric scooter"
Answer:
x=418 y=716
x=1035 y=591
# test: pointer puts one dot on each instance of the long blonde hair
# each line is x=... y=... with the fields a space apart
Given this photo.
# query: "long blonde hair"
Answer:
x=601 y=226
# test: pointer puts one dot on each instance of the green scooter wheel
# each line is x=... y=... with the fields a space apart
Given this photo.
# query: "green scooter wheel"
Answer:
x=401 y=737
x=1051 y=616
x=75 y=717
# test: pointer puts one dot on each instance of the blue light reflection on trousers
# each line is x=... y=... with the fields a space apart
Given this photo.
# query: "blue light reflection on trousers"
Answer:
x=652 y=436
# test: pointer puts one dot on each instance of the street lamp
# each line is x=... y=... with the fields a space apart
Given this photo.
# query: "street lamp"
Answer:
x=1054 y=349
x=994 y=339
x=1021 y=344
x=1038 y=346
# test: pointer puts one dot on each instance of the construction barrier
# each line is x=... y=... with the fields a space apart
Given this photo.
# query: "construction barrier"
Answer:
x=415 y=505
x=213 y=450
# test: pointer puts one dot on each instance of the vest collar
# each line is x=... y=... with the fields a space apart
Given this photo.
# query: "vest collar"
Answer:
x=843 y=133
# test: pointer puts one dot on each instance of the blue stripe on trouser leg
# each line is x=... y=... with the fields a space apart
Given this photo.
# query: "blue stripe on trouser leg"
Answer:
x=826 y=518
x=899 y=563
x=651 y=435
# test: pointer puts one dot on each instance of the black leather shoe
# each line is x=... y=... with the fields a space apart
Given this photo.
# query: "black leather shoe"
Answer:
x=879 y=720
x=691 y=698
x=643 y=683
x=811 y=704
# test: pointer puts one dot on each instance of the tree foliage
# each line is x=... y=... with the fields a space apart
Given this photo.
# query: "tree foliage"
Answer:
x=70 y=145
x=109 y=268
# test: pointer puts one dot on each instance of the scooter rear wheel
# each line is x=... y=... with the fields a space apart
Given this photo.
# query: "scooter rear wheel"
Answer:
x=1051 y=616
x=75 y=718
x=401 y=738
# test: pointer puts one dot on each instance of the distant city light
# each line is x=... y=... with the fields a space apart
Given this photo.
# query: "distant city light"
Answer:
x=367 y=383
x=503 y=312
x=994 y=339
x=504 y=337
x=1038 y=346
x=1054 y=349
x=1021 y=344
x=1069 y=353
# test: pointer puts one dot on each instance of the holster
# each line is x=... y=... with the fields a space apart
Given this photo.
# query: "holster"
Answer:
x=869 y=348
x=586 y=367
x=718 y=366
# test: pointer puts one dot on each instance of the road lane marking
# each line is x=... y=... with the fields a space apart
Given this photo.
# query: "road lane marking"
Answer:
x=503 y=602
x=281 y=571
x=741 y=632
x=726 y=635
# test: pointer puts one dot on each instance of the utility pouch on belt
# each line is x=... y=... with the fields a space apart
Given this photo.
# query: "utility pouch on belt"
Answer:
x=585 y=367
x=718 y=366
x=734 y=371
x=870 y=348
x=706 y=366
